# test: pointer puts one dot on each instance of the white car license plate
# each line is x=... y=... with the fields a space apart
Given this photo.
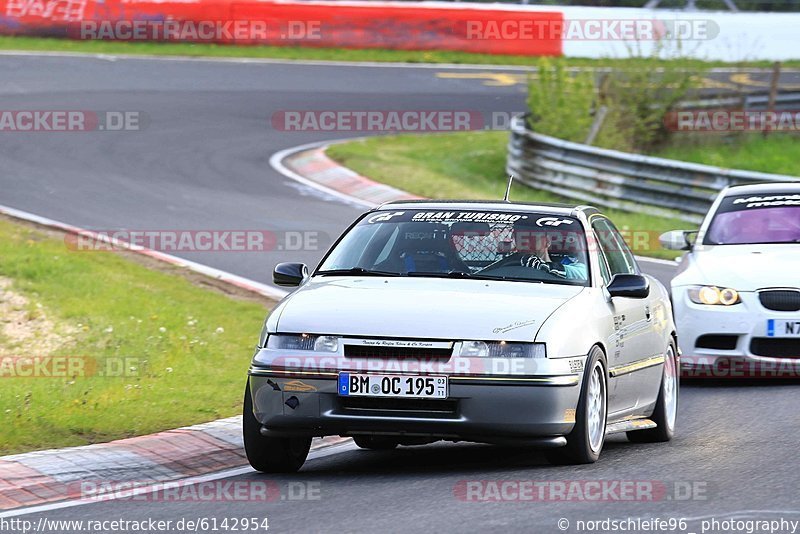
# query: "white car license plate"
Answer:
x=783 y=328
x=369 y=385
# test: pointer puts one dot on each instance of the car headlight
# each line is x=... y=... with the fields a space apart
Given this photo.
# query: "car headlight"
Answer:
x=501 y=349
x=303 y=342
x=714 y=296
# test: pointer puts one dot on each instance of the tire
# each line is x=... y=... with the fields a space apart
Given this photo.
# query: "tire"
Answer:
x=375 y=443
x=270 y=455
x=666 y=410
x=586 y=440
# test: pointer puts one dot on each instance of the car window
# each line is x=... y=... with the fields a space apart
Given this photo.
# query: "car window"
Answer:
x=510 y=245
x=755 y=219
x=613 y=246
x=603 y=262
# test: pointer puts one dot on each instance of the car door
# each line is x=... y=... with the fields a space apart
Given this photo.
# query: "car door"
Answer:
x=633 y=337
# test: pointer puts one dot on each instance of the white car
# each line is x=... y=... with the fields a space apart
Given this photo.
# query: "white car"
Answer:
x=495 y=322
x=736 y=296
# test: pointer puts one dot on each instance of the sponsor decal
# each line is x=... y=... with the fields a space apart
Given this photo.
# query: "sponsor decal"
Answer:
x=298 y=386
x=576 y=366
x=553 y=221
x=767 y=201
x=467 y=216
x=398 y=343
x=384 y=217
x=513 y=326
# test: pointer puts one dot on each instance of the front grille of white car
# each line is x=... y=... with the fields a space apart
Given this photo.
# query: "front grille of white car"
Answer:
x=780 y=299
x=772 y=347
x=397 y=353
x=398 y=407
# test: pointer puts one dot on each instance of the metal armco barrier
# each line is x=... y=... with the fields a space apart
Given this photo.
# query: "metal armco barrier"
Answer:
x=613 y=179
x=751 y=102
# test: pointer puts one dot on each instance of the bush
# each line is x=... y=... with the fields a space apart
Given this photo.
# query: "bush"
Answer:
x=637 y=98
x=561 y=102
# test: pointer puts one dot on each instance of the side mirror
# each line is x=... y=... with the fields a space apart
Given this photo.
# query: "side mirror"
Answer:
x=677 y=239
x=289 y=274
x=632 y=286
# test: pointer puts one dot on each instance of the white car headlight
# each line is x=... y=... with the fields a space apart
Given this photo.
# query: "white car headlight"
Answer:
x=303 y=342
x=714 y=296
x=501 y=349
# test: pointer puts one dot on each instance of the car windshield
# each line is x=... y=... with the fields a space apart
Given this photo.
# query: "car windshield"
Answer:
x=756 y=219
x=536 y=247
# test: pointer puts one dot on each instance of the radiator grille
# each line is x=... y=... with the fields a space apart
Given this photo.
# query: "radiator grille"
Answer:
x=780 y=299
x=396 y=353
x=775 y=347
x=399 y=406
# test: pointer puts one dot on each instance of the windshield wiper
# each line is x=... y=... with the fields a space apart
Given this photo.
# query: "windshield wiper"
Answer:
x=439 y=274
x=456 y=274
x=358 y=271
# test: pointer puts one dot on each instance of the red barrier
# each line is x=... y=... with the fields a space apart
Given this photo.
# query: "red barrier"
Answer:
x=388 y=26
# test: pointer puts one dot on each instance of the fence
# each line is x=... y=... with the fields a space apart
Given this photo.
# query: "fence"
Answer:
x=614 y=179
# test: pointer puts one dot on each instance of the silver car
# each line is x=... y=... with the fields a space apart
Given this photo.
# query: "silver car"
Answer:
x=494 y=322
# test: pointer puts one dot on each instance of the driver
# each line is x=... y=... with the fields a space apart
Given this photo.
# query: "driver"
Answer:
x=532 y=247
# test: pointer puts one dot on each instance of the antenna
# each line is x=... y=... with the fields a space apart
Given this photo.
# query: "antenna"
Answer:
x=508 y=187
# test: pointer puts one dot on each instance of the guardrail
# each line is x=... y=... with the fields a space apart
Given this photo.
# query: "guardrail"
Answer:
x=747 y=101
x=614 y=179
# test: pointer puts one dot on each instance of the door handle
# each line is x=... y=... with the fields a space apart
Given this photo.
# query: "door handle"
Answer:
x=647 y=312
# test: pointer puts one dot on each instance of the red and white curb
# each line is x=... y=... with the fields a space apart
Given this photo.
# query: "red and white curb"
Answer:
x=39 y=477
x=124 y=468
x=310 y=165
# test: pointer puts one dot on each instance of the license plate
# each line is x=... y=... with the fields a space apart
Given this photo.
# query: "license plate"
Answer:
x=783 y=328
x=369 y=385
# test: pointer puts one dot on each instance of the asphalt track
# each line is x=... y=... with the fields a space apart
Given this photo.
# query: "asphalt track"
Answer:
x=202 y=163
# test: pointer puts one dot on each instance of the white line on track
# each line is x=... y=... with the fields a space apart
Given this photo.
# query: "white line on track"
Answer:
x=146 y=490
x=276 y=162
x=234 y=279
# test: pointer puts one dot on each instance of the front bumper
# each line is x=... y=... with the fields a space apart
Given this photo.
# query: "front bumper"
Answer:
x=731 y=341
x=483 y=409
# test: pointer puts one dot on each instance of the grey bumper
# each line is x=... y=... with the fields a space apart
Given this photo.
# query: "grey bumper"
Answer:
x=478 y=409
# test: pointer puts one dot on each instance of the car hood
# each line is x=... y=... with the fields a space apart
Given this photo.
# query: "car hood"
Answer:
x=742 y=267
x=424 y=308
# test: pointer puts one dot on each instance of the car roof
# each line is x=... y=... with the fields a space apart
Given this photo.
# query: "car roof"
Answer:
x=541 y=207
x=764 y=188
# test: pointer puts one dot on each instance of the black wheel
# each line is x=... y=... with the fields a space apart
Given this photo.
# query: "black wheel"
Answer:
x=586 y=440
x=666 y=410
x=270 y=455
x=375 y=443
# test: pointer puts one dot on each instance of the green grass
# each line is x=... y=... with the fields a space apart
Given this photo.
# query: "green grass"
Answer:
x=468 y=165
x=775 y=154
x=325 y=54
x=190 y=347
